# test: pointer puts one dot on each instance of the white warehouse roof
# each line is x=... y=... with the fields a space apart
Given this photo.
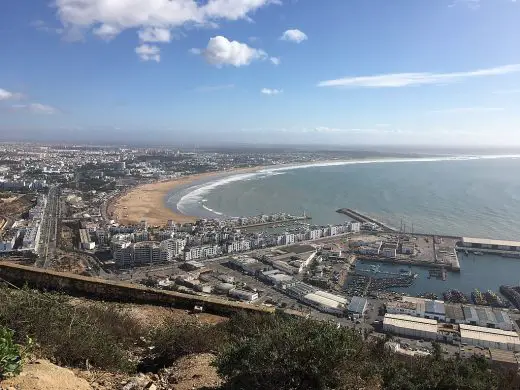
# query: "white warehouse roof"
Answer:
x=488 y=334
x=410 y=322
x=485 y=241
x=333 y=297
x=323 y=301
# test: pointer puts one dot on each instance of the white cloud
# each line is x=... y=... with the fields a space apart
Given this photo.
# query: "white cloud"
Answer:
x=123 y=14
x=40 y=25
x=36 y=108
x=269 y=91
x=148 y=52
x=294 y=36
x=212 y=88
x=106 y=31
x=395 y=80
x=221 y=51
x=275 y=60
x=7 y=95
x=155 y=34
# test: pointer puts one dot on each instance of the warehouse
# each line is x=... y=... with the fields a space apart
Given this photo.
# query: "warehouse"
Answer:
x=408 y=326
x=489 y=338
x=243 y=295
x=482 y=243
x=326 y=302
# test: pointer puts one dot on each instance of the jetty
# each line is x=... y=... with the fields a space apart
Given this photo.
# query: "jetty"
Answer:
x=363 y=218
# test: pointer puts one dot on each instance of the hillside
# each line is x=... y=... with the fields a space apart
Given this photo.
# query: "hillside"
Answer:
x=128 y=346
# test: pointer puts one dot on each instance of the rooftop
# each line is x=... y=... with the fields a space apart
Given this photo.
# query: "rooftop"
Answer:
x=410 y=322
x=486 y=241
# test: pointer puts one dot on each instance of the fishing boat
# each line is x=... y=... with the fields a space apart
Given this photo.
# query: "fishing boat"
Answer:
x=478 y=253
x=478 y=298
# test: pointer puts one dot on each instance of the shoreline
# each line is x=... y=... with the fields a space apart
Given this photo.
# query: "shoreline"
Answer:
x=149 y=201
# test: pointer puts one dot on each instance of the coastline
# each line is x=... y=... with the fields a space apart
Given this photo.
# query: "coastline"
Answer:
x=149 y=201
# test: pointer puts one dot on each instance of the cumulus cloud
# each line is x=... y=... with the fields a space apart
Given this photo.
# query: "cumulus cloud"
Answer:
x=221 y=51
x=36 y=108
x=8 y=95
x=155 y=34
x=269 y=91
x=121 y=14
x=148 y=52
x=106 y=31
x=395 y=80
x=275 y=60
x=294 y=36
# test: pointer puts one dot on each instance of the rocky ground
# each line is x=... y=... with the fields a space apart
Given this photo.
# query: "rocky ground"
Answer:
x=189 y=372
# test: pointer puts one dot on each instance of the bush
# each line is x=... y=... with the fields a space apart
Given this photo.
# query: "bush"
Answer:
x=71 y=334
x=10 y=354
x=173 y=339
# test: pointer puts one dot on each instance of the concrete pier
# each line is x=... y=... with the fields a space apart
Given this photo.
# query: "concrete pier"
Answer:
x=357 y=216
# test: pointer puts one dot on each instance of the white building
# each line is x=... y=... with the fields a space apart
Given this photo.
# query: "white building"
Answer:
x=85 y=241
x=489 y=338
x=408 y=326
x=172 y=248
x=239 y=246
x=146 y=252
x=326 y=302
x=202 y=252
x=355 y=227
x=243 y=295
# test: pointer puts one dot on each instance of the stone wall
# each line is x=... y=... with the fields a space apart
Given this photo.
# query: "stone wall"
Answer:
x=89 y=287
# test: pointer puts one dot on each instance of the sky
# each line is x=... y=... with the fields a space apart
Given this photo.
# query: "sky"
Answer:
x=225 y=72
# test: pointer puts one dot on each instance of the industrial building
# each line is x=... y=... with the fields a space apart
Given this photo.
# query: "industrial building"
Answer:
x=357 y=306
x=489 y=338
x=483 y=243
x=326 y=302
x=85 y=241
x=276 y=277
x=454 y=313
x=408 y=326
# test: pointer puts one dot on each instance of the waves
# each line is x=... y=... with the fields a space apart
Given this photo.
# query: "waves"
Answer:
x=196 y=194
x=194 y=202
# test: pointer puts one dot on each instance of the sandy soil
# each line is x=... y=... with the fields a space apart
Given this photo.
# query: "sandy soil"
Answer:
x=147 y=201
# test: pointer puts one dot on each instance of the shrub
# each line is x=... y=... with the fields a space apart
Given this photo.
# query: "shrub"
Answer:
x=10 y=354
x=173 y=339
x=71 y=334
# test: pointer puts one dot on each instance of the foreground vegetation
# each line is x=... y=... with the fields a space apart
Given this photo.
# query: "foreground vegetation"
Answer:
x=267 y=352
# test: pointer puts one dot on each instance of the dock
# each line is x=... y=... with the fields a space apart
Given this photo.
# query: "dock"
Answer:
x=359 y=217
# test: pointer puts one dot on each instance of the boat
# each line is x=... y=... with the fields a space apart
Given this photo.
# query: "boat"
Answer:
x=455 y=296
x=478 y=253
x=493 y=299
x=478 y=298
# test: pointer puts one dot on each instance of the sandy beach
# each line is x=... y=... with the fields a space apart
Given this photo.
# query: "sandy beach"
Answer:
x=148 y=201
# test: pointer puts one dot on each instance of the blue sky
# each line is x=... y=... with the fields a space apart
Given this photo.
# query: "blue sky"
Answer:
x=184 y=72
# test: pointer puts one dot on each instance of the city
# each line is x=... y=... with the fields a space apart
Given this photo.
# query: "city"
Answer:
x=60 y=213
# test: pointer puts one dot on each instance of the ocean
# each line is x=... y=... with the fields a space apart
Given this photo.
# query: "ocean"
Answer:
x=463 y=196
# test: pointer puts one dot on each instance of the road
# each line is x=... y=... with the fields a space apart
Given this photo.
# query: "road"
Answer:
x=49 y=229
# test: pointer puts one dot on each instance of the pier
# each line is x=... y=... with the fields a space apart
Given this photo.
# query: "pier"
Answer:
x=357 y=216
